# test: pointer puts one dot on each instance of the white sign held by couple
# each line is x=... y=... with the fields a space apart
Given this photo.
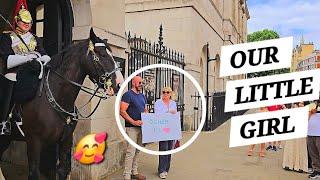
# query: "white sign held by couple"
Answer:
x=160 y=127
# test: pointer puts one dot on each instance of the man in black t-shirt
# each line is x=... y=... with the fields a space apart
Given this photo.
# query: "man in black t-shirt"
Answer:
x=133 y=103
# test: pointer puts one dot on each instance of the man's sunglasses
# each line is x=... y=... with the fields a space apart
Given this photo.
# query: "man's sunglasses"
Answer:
x=165 y=92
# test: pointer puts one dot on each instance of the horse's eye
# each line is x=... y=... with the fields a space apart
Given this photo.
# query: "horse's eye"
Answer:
x=102 y=54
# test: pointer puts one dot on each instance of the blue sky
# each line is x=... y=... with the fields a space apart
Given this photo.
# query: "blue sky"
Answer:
x=287 y=17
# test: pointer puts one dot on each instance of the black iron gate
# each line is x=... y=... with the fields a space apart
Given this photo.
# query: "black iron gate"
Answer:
x=216 y=115
x=197 y=112
x=143 y=53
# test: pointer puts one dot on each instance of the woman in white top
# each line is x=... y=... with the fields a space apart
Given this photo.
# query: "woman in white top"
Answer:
x=165 y=105
x=295 y=155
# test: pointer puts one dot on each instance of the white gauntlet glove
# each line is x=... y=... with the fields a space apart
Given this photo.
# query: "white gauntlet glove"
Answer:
x=32 y=57
x=45 y=59
x=36 y=53
x=16 y=60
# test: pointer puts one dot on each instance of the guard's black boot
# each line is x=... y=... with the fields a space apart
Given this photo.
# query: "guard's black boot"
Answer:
x=5 y=106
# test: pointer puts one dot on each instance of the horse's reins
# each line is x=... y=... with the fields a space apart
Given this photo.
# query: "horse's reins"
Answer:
x=76 y=112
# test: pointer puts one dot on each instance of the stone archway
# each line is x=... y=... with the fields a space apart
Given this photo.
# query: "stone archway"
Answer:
x=203 y=67
x=53 y=22
x=6 y=10
x=201 y=72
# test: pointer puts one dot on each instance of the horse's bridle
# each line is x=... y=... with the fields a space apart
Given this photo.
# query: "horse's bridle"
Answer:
x=103 y=79
x=101 y=84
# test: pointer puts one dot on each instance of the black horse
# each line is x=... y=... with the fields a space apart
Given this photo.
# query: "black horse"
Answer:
x=43 y=123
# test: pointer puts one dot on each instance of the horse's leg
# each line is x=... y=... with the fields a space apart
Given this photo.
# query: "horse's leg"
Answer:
x=4 y=144
x=34 y=146
x=48 y=162
x=64 y=167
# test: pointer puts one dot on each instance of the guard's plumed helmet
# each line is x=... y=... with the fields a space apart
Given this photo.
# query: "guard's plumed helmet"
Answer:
x=24 y=15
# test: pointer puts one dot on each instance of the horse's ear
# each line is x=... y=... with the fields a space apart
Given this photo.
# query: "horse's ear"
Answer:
x=92 y=35
x=105 y=41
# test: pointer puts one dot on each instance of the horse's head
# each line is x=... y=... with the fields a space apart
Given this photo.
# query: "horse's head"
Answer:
x=100 y=65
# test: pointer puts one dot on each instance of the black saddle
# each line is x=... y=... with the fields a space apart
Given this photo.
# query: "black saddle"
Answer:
x=27 y=82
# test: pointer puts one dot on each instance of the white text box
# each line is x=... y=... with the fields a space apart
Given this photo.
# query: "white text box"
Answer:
x=306 y=81
x=295 y=120
x=281 y=49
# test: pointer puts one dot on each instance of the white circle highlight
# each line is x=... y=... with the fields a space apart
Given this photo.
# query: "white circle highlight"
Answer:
x=117 y=110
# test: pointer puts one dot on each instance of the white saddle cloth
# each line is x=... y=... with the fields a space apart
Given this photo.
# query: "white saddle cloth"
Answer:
x=11 y=76
x=1 y=175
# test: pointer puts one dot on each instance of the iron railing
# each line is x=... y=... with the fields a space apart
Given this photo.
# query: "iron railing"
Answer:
x=143 y=53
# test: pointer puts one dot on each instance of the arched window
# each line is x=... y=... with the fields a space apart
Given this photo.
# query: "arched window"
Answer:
x=39 y=21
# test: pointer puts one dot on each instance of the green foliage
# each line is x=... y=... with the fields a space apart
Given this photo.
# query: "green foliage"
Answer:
x=262 y=35
x=268 y=73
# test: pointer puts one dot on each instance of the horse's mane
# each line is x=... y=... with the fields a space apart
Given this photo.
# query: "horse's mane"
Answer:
x=73 y=52
x=76 y=51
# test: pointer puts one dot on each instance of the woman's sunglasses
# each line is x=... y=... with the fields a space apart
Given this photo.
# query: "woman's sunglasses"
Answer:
x=165 y=92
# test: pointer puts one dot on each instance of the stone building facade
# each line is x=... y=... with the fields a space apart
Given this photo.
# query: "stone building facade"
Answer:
x=300 y=52
x=188 y=25
x=108 y=20
x=310 y=62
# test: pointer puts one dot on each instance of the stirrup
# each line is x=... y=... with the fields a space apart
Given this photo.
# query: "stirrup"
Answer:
x=6 y=128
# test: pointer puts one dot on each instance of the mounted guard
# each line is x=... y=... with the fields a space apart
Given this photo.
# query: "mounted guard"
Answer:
x=17 y=48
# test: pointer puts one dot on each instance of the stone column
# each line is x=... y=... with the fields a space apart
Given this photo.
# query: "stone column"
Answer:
x=107 y=19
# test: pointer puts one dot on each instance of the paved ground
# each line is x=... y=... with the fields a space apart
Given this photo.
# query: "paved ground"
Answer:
x=209 y=158
x=15 y=172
